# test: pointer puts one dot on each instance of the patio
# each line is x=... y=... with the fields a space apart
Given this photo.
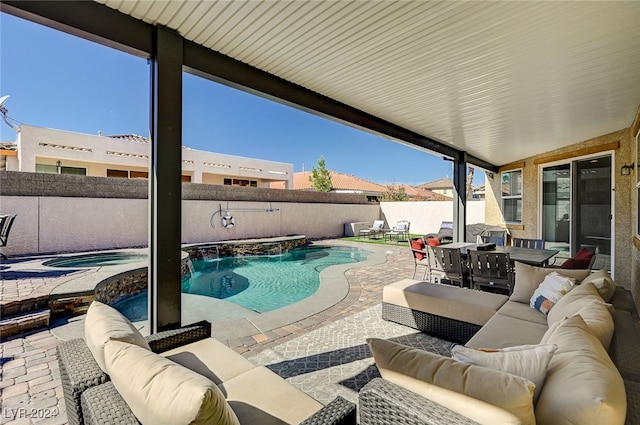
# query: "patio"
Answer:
x=324 y=354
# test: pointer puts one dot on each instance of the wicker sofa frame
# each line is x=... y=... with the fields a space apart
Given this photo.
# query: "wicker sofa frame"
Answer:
x=383 y=402
x=444 y=327
x=91 y=398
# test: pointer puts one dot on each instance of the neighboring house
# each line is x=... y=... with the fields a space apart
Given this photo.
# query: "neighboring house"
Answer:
x=44 y=150
x=420 y=194
x=478 y=192
x=340 y=183
x=442 y=186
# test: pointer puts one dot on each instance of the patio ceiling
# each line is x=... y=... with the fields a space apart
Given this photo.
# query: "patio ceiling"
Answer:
x=500 y=80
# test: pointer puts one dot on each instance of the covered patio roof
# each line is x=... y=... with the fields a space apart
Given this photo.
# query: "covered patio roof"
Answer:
x=500 y=81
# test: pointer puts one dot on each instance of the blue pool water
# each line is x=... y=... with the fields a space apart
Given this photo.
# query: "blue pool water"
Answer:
x=261 y=284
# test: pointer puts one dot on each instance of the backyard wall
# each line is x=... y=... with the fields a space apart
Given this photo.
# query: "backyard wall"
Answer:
x=425 y=217
x=63 y=213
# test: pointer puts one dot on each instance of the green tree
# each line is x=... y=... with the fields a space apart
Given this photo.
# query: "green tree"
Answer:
x=320 y=177
x=395 y=193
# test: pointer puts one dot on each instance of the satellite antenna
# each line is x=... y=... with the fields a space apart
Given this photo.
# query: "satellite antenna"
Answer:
x=10 y=121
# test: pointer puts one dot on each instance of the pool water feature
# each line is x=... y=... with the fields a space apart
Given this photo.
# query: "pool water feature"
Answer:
x=257 y=283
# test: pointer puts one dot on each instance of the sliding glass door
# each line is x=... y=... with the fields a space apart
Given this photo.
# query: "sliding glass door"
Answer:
x=577 y=208
x=592 y=200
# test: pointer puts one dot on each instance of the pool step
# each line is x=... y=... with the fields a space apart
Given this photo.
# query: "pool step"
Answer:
x=23 y=322
x=28 y=314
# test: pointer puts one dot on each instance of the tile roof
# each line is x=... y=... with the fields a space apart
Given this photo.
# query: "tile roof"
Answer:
x=339 y=181
x=8 y=146
x=420 y=194
x=438 y=184
x=130 y=138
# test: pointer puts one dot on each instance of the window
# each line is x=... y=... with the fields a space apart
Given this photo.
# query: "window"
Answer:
x=138 y=175
x=59 y=169
x=120 y=174
x=512 y=196
x=240 y=182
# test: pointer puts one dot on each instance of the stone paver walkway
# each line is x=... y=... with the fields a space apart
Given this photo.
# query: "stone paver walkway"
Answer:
x=30 y=387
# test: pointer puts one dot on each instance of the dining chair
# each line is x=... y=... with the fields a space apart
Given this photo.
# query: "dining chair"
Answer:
x=497 y=240
x=449 y=264
x=528 y=243
x=420 y=256
x=491 y=270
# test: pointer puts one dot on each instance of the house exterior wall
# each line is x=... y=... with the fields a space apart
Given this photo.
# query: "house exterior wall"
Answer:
x=635 y=248
x=98 y=153
x=626 y=256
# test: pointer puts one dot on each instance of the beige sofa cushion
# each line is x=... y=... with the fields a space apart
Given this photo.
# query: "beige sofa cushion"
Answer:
x=569 y=305
x=261 y=397
x=210 y=358
x=598 y=319
x=523 y=312
x=527 y=361
x=528 y=278
x=444 y=300
x=603 y=282
x=582 y=386
x=423 y=372
x=161 y=392
x=104 y=323
x=505 y=331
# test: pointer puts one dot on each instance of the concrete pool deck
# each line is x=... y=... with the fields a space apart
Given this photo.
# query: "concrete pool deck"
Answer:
x=322 y=353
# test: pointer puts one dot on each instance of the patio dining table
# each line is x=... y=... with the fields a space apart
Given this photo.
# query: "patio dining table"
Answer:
x=534 y=257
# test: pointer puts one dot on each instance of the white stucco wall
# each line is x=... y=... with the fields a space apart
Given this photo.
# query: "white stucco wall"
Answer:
x=56 y=224
x=425 y=217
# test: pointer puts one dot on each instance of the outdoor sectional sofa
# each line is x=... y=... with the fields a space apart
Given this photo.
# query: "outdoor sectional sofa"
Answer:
x=585 y=360
x=183 y=376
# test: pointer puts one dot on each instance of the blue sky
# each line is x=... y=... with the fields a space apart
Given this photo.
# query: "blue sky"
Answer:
x=56 y=80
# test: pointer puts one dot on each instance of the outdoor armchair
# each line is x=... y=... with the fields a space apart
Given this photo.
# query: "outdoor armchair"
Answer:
x=378 y=227
x=79 y=371
x=400 y=230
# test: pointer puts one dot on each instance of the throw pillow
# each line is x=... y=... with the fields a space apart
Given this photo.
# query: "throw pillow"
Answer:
x=572 y=302
x=598 y=319
x=104 y=323
x=527 y=361
x=552 y=288
x=603 y=282
x=418 y=244
x=433 y=241
x=528 y=278
x=456 y=385
x=583 y=385
x=161 y=392
x=580 y=261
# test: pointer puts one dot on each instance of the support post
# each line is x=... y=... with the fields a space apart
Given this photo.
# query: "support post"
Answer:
x=459 y=197
x=165 y=188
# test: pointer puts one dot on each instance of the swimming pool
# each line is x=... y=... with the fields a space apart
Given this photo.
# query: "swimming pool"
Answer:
x=97 y=260
x=258 y=283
